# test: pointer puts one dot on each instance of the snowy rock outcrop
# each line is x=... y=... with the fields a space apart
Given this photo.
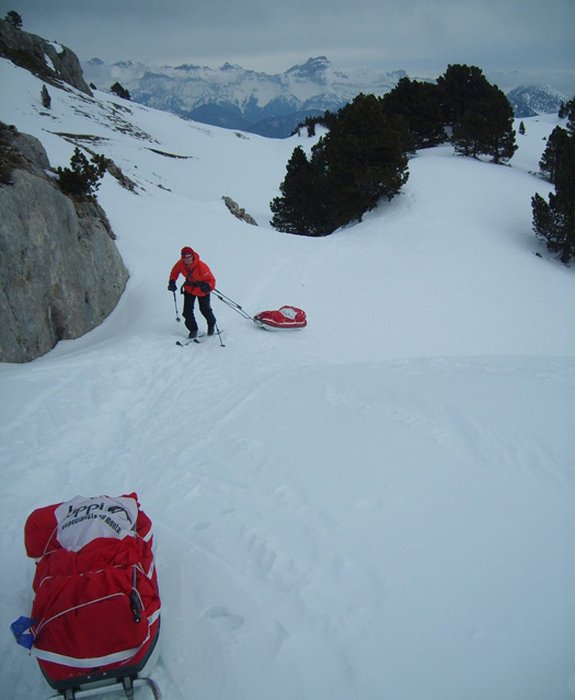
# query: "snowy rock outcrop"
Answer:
x=49 y=61
x=60 y=271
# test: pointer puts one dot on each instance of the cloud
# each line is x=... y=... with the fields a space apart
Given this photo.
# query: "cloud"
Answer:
x=416 y=35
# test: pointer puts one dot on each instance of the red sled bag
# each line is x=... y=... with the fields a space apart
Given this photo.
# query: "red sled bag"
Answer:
x=285 y=318
x=96 y=611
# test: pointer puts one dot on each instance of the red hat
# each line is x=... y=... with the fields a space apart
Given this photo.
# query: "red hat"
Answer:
x=187 y=252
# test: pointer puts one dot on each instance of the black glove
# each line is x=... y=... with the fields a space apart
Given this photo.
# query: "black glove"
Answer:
x=172 y=286
x=205 y=287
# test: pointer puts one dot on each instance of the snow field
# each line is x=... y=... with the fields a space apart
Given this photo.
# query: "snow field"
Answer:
x=379 y=505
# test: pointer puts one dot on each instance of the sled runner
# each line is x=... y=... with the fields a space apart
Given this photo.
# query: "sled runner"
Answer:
x=95 y=618
x=284 y=318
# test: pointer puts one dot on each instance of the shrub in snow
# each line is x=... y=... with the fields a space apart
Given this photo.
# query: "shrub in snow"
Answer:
x=82 y=178
x=14 y=18
x=120 y=91
x=46 y=99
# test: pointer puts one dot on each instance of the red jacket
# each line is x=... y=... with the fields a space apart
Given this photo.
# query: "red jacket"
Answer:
x=195 y=273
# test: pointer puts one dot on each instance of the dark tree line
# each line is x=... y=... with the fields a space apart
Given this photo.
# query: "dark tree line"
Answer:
x=359 y=161
x=554 y=219
x=364 y=155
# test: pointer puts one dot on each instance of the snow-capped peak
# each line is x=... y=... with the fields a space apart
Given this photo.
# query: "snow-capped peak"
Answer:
x=240 y=98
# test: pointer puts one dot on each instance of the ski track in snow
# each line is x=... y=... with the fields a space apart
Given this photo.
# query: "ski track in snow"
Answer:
x=363 y=509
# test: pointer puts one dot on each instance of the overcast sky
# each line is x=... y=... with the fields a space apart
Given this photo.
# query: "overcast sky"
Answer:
x=532 y=37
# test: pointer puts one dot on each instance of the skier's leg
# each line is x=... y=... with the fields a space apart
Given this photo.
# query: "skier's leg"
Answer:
x=188 y=314
x=207 y=313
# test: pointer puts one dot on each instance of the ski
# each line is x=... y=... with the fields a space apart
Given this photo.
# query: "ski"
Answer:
x=197 y=339
x=204 y=336
x=200 y=338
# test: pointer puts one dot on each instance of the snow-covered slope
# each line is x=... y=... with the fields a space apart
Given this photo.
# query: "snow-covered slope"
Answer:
x=378 y=506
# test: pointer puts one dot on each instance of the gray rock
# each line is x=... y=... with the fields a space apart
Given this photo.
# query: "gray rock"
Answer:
x=60 y=271
x=30 y=150
x=49 y=61
x=239 y=212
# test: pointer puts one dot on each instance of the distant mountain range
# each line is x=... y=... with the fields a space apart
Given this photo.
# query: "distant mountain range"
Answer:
x=534 y=99
x=236 y=98
x=268 y=104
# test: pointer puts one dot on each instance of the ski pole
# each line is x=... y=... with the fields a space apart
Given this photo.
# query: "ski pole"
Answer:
x=176 y=305
x=220 y=336
x=233 y=305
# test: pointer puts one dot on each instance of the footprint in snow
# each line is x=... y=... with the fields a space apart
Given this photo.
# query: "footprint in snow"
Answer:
x=200 y=525
x=223 y=618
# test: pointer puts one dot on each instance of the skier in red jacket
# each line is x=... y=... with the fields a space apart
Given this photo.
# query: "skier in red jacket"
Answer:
x=199 y=283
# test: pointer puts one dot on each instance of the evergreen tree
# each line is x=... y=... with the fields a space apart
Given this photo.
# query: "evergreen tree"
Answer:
x=82 y=178
x=309 y=123
x=563 y=110
x=500 y=142
x=461 y=88
x=554 y=220
x=120 y=91
x=299 y=208
x=555 y=151
x=327 y=119
x=419 y=105
x=469 y=132
x=45 y=97
x=14 y=18
x=365 y=160
x=478 y=112
x=359 y=161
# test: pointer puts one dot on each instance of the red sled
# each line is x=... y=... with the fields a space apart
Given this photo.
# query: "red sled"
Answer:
x=95 y=618
x=285 y=318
